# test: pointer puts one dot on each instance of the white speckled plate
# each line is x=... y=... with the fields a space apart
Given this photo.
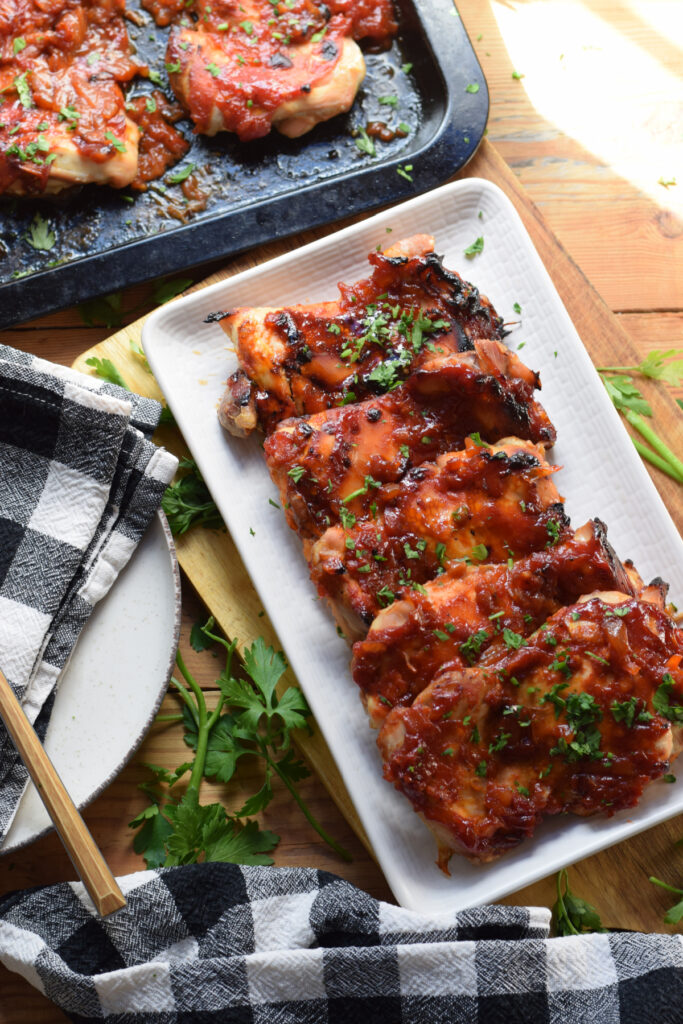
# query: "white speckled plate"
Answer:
x=113 y=686
x=603 y=476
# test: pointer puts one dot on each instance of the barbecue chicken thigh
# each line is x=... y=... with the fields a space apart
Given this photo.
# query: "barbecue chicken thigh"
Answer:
x=481 y=504
x=337 y=459
x=244 y=67
x=64 y=120
x=451 y=621
x=409 y=312
x=577 y=718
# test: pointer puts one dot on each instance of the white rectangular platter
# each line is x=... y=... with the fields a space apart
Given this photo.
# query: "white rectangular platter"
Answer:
x=602 y=476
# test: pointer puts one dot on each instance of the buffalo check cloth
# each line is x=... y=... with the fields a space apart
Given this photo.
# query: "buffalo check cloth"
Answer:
x=79 y=483
x=224 y=944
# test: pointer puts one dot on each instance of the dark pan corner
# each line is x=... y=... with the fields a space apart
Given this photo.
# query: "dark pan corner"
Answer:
x=308 y=182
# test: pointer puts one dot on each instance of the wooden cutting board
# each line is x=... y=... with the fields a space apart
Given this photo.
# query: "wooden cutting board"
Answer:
x=210 y=559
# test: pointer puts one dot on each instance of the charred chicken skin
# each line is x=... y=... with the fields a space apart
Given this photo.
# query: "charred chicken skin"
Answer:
x=246 y=66
x=408 y=313
x=453 y=620
x=481 y=504
x=577 y=718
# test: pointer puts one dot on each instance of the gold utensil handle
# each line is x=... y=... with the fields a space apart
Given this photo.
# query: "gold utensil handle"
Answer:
x=80 y=845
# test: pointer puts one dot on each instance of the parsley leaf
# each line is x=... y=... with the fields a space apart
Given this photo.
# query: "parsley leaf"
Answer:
x=188 y=503
x=105 y=369
x=571 y=914
x=164 y=290
x=675 y=913
x=181 y=175
x=364 y=143
x=183 y=831
x=23 y=90
x=477 y=246
x=39 y=235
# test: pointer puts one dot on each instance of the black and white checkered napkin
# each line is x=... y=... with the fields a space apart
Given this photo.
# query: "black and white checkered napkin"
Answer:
x=79 y=483
x=222 y=944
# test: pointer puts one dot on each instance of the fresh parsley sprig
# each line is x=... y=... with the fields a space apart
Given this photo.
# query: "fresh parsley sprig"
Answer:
x=628 y=399
x=188 y=502
x=674 y=914
x=571 y=914
x=258 y=724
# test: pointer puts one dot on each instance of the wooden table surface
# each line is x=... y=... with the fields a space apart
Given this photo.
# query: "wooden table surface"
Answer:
x=590 y=130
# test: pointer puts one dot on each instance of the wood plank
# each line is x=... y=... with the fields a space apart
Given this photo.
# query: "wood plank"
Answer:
x=589 y=154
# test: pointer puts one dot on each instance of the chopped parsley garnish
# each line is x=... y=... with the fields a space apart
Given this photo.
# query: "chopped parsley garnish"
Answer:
x=364 y=143
x=19 y=44
x=448 y=752
x=517 y=308
x=513 y=640
x=182 y=175
x=39 y=235
x=473 y=645
x=597 y=657
x=476 y=247
x=553 y=530
x=406 y=68
x=479 y=552
x=624 y=711
x=385 y=596
x=518 y=74
x=500 y=743
x=247 y=27
x=348 y=519
x=561 y=664
x=553 y=697
x=521 y=789
x=405 y=128
x=440 y=552
x=116 y=143
x=472 y=87
x=388 y=101
x=23 y=90
x=172 y=67
x=662 y=703
x=296 y=472
x=480 y=769
x=440 y=635
x=369 y=482
x=213 y=69
x=150 y=104
x=403 y=172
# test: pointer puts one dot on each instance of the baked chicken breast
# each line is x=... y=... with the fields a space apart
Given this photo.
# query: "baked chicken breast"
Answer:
x=578 y=718
x=304 y=359
x=453 y=620
x=64 y=120
x=481 y=504
x=244 y=67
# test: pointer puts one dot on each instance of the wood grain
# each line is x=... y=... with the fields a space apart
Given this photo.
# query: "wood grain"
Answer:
x=624 y=232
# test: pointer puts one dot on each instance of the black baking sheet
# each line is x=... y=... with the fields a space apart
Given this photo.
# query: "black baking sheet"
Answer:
x=108 y=239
